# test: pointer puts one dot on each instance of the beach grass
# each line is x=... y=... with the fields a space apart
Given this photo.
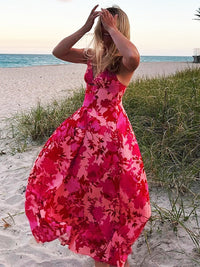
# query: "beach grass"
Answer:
x=165 y=116
x=40 y=122
x=182 y=213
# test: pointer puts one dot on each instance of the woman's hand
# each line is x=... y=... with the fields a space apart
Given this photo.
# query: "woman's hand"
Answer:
x=107 y=19
x=90 y=21
x=128 y=51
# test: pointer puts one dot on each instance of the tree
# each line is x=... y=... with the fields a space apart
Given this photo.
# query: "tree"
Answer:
x=198 y=14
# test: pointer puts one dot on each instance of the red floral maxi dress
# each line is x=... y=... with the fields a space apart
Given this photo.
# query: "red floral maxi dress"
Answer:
x=88 y=185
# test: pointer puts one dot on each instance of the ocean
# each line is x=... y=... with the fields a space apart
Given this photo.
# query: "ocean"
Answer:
x=25 y=60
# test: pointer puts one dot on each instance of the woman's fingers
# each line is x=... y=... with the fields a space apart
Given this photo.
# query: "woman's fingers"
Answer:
x=106 y=14
x=93 y=12
x=115 y=17
x=90 y=21
x=107 y=19
x=94 y=8
x=96 y=14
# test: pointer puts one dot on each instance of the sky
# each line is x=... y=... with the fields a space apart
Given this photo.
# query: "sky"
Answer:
x=158 y=27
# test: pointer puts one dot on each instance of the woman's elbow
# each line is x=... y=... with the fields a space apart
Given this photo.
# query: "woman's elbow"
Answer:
x=133 y=61
x=54 y=52
x=57 y=52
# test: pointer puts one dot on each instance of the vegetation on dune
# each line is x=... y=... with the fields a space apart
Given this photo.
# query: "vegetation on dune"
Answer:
x=165 y=116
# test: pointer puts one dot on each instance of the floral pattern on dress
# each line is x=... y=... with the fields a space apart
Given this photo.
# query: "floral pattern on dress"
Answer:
x=88 y=186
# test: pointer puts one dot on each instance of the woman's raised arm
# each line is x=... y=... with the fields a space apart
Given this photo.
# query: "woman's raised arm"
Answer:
x=128 y=51
x=64 y=49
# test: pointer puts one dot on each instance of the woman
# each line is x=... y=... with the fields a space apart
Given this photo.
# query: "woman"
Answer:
x=88 y=185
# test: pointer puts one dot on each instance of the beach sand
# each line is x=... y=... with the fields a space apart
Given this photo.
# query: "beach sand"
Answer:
x=20 y=90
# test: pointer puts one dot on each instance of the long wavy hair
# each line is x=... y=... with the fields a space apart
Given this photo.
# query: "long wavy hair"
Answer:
x=108 y=57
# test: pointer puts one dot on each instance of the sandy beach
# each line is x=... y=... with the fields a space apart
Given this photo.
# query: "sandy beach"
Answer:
x=20 y=90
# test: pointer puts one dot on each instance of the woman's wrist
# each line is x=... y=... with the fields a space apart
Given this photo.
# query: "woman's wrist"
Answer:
x=112 y=30
x=84 y=29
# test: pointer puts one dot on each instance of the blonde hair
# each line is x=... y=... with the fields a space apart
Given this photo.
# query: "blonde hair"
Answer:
x=109 y=57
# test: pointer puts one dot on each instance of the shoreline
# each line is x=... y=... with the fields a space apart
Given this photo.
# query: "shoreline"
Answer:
x=64 y=64
x=24 y=87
